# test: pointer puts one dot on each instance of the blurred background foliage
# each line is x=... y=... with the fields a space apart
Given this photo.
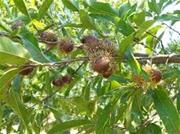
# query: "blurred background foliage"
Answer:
x=90 y=103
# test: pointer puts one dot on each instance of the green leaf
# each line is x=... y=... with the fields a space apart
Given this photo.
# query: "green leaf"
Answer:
x=67 y=125
x=139 y=18
x=126 y=9
x=5 y=80
x=12 y=99
x=43 y=9
x=31 y=44
x=144 y=27
x=125 y=43
x=167 y=111
x=21 y=6
x=104 y=114
x=178 y=103
x=153 y=5
x=150 y=129
x=135 y=66
x=86 y=21
x=125 y=28
x=71 y=4
x=102 y=9
x=12 y=53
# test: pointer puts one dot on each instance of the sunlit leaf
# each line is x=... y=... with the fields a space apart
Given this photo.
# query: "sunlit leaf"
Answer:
x=102 y=9
x=12 y=53
x=86 y=21
x=21 y=6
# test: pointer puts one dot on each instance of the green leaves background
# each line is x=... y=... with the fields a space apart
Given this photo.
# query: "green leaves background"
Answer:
x=89 y=104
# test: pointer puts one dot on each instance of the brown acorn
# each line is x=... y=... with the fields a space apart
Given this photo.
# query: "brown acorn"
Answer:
x=66 y=46
x=90 y=41
x=140 y=82
x=58 y=82
x=49 y=38
x=26 y=70
x=67 y=78
x=155 y=75
x=101 y=64
x=17 y=24
x=107 y=73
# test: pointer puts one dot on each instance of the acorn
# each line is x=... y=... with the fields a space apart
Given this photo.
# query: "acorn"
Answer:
x=101 y=64
x=90 y=41
x=138 y=80
x=26 y=70
x=49 y=38
x=58 y=82
x=155 y=76
x=17 y=24
x=67 y=79
x=66 y=46
x=107 y=73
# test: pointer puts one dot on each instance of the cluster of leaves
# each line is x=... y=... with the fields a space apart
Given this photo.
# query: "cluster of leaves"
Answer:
x=90 y=103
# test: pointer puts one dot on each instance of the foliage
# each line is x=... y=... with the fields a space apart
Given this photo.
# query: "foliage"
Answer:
x=62 y=93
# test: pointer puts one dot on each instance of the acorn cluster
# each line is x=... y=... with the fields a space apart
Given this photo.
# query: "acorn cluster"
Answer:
x=101 y=54
x=154 y=77
x=51 y=39
x=61 y=81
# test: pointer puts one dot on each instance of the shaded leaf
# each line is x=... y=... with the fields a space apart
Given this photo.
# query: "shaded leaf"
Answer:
x=71 y=4
x=104 y=114
x=125 y=43
x=67 y=125
x=150 y=129
x=5 y=80
x=12 y=99
x=43 y=9
x=125 y=28
x=167 y=111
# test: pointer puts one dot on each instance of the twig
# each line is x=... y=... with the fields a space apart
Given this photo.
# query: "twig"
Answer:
x=161 y=43
x=160 y=59
x=171 y=28
x=54 y=93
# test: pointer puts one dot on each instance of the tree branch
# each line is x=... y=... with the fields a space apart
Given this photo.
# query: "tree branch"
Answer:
x=171 y=28
x=142 y=58
x=160 y=59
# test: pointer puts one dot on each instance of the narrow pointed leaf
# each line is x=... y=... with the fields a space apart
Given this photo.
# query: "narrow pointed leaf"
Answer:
x=21 y=6
x=43 y=9
x=67 y=125
x=71 y=5
x=167 y=111
x=5 y=80
x=86 y=21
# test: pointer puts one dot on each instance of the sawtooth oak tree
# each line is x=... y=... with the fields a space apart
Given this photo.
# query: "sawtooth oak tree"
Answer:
x=89 y=67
